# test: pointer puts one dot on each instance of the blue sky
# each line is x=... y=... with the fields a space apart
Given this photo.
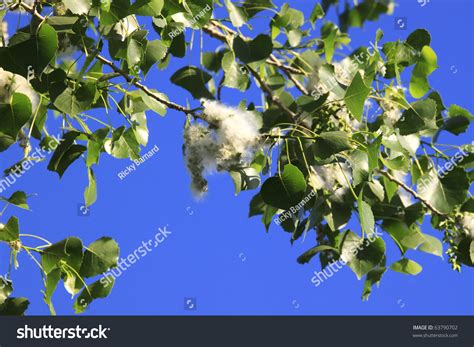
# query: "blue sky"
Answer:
x=215 y=254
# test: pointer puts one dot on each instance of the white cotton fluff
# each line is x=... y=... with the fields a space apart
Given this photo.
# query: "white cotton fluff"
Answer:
x=467 y=223
x=345 y=70
x=12 y=83
x=381 y=68
x=330 y=177
x=236 y=128
x=231 y=142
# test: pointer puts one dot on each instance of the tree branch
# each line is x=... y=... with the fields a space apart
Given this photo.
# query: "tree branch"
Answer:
x=128 y=78
x=412 y=192
x=213 y=31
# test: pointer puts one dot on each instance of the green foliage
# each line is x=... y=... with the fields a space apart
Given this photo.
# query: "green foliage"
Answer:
x=315 y=150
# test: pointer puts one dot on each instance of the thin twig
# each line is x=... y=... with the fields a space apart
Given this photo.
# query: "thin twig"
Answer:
x=117 y=70
x=412 y=192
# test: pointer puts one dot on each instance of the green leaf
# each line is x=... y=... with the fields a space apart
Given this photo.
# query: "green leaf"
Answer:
x=252 y=7
x=155 y=52
x=329 y=35
x=10 y=231
x=78 y=6
x=361 y=255
x=419 y=39
x=141 y=129
x=338 y=215
x=90 y=193
x=399 y=163
x=356 y=95
x=135 y=51
x=406 y=266
x=14 y=307
x=123 y=144
x=257 y=49
x=212 y=60
x=456 y=125
x=427 y=63
x=373 y=152
x=36 y=50
x=95 y=145
x=97 y=290
x=330 y=143
x=6 y=289
x=154 y=104
x=398 y=56
x=118 y=10
x=390 y=188
x=14 y=116
x=431 y=245
x=446 y=192
x=377 y=189
x=359 y=161
x=147 y=7
x=66 y=153
x=455 y=110
x=288 y=18
x=366 y=215
x=421 y=115
x=63 y=24
x=373 y=278
x=73 y=101
x=194 y=81
x=316 y=14
x=404 y=236
x=257 y=206
x=245 y=179
x=286 y=190
x=198 y=10
x=100 y=256
x=52 y=280
x=308 y=255
x=17 y=199
x=236 y=76
x=238 y=16
x=68 y=250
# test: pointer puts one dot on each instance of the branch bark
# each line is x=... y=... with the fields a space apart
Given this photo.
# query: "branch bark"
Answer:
x=132 y=80
x=213 y=30
x=412 y=192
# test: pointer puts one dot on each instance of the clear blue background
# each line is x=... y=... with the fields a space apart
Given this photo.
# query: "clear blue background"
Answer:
x=215 y=253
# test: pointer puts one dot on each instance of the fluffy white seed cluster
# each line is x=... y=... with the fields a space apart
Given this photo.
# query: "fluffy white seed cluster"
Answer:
x=467 y=223
x=229 y=142
x=12 y=83
x=332 y=178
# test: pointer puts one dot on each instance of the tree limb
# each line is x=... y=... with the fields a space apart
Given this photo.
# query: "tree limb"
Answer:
x=412 y=192
x=128 y=78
